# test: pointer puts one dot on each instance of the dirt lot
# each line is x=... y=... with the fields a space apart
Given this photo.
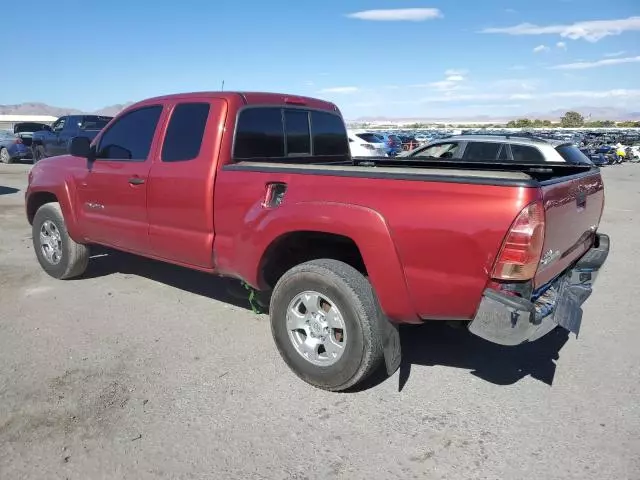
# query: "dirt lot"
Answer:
x=142 y=370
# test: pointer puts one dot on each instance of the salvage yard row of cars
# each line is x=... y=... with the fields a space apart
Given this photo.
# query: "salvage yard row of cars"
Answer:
x=340 y=250
x=32 y=140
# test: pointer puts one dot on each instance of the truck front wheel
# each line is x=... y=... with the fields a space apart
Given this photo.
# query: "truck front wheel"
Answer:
x=59 y=255
x=325 y=322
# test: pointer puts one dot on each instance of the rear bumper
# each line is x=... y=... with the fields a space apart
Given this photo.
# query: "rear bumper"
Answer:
x=510 y=320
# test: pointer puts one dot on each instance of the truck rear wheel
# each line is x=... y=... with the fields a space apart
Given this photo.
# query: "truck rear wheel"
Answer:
x=325 y=322
x=59 y=255
x=37 y=152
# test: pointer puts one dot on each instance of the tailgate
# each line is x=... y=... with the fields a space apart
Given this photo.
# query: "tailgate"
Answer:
x=573 y=207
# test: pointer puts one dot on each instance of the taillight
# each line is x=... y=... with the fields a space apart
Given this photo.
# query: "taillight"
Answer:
x=522 y=247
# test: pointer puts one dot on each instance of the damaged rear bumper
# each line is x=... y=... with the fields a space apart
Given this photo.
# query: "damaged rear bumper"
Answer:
x=511 y=320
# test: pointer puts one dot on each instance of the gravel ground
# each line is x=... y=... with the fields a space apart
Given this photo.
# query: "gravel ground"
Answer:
x=144 y=370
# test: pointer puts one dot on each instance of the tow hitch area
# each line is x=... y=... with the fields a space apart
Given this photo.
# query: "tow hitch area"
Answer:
x=510 y=320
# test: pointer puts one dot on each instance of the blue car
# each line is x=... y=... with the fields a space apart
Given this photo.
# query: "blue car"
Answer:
x=12 y=147
x=392 y=143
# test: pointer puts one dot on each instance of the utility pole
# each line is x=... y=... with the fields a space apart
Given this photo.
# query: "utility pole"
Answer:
x=222 y=85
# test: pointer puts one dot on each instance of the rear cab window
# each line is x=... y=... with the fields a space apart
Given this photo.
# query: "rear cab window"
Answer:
x=294 y=135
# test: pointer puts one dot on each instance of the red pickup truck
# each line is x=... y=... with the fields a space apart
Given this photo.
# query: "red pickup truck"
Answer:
x=261 y=187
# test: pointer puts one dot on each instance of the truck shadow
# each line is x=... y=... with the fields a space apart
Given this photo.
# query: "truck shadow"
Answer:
x=436 y=343
x=106 y=262
x=431 y=344
x=7 y=190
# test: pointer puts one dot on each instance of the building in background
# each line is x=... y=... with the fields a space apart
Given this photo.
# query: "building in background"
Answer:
x=8 y=121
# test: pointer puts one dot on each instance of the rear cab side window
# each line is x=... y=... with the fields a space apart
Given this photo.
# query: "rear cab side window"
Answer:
x=129 y=138
x=183 y=139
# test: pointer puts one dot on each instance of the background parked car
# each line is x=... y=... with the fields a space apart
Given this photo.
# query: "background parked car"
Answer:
x=409 y=142
x=12 y=147
x=502 y=148
x=365 y=144
x=52 y=141
x=25 y=131
x=392 y=142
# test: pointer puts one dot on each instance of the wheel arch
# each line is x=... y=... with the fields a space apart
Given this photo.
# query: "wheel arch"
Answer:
x=356 y=235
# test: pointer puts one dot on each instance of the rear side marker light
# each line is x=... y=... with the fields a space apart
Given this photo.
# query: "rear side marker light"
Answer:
x=522 y=247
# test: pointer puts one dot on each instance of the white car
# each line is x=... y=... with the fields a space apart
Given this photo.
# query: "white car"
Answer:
x=365 y=144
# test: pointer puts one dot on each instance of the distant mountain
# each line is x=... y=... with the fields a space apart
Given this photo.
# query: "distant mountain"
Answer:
x=589 y=113
x=37 y=108
x=113 y=110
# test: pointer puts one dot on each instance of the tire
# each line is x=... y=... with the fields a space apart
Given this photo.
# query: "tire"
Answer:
x=72 y=259
x=346 y=289
x=37 y=153
x=4 y=156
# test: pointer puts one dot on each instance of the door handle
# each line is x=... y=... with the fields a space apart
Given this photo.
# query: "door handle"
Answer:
x=136 y=181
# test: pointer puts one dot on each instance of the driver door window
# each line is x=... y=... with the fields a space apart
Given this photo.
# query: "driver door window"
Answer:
x=130 y=137
x=440 y=150
x=58 y=126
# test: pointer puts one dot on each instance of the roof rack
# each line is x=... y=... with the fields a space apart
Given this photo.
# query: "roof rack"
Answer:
x=529 y=135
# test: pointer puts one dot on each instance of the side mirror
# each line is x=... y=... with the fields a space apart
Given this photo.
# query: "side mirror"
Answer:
x=80 y=147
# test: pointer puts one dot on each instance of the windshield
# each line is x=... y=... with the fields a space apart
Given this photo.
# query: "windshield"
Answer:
x=94 y=122
x=573 y=155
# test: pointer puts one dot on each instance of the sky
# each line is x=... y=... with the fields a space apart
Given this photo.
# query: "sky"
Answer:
x=371 y=57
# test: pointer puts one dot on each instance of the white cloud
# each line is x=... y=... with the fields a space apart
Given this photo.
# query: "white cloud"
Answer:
x=340 y=90
x=561 y=45
x=444 y=85
x=592 y=31
x=455 y=78
x=452 y=72
x=615 y=54
x=598 y=63
x=398 y=15
x=541 y=48
x=514 y=84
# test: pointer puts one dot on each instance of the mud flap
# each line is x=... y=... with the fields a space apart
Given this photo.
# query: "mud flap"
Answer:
x=391 y=345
